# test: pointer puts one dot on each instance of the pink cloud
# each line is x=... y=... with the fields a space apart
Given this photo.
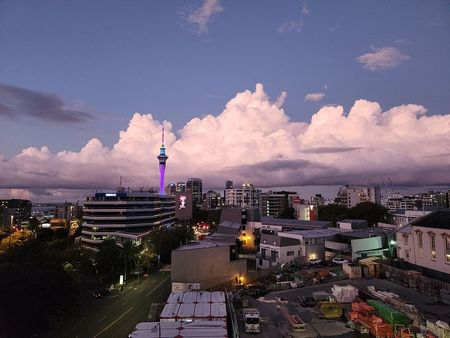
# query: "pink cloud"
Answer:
x=253 y=139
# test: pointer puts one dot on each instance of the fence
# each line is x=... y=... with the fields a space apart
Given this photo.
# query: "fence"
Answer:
x=414 y=279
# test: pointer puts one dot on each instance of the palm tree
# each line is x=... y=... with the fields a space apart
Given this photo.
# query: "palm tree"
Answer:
x=130 y=256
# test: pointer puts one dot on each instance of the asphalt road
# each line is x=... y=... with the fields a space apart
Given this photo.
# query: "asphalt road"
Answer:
x=116 y=315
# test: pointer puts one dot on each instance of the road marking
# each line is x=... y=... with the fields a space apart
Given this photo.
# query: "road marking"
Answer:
x=148 y=294
x=102 y=319
x=118 y=318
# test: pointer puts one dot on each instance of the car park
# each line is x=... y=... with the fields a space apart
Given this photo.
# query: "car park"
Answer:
x=339 y=260
x=315 y=261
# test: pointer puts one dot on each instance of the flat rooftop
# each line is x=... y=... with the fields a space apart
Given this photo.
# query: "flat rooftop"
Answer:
x=294 y=223
x=205 y=244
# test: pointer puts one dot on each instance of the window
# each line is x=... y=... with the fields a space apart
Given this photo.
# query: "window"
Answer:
x=406 y=238
x=447 y=249
x=419 y=235
x=290 y=253
x=407 y=254
x=274 y=255
x=263 y=253
x=433 y=245
x=306 y=242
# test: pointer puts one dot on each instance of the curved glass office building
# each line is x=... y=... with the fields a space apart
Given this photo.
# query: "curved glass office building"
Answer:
x=124 y=216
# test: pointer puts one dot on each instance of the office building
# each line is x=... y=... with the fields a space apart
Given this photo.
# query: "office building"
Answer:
x=247 y=196
x=181 y=186
x=14 y=212
x=351 y=195
x=275 y=203
x=68 y=211
x=195 y=186
x=171 y=189
x=125 y=216
x=212 y=200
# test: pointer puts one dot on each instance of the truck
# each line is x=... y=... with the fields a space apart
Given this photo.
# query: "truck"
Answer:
x=252 y=320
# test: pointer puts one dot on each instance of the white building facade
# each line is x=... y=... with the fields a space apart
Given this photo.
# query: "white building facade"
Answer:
x=425 y=243
x=247 y=196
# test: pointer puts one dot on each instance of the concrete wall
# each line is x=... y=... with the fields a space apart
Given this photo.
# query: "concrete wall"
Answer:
x=282 y=258
x=207 y=266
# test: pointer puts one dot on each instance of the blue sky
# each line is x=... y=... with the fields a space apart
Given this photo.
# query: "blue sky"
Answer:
x=367 y=81
x=117 y=57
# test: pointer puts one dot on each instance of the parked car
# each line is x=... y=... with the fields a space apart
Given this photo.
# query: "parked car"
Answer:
x=315 y=261
x=307 y=301
x=339 y=260
x=101 y=293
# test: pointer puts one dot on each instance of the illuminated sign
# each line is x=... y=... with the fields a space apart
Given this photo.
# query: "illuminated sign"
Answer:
x=182 y=202
x=110 y=195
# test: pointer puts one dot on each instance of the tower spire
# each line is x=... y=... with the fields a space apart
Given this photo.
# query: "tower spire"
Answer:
x=162 y=158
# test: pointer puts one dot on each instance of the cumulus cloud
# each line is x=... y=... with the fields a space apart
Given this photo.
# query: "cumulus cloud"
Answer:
x=382 y=58
x=201 y=17
x=314 y=96
x=253 y=139
x=291 y=26
x=17 y=102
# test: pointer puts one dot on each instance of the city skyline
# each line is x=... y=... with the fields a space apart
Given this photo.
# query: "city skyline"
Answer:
x=269 y=114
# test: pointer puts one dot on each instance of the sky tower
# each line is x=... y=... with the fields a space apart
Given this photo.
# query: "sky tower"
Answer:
x=162 y=157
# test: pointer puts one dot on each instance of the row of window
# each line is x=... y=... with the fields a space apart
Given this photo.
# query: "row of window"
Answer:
x=432 y=238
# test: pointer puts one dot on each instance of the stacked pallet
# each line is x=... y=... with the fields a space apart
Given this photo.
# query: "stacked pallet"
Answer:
x=196 y=329
x=389 y=314
x=344 y=294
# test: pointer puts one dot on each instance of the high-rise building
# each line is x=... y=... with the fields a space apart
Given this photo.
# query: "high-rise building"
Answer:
x=212 y=200
x=68 y=211
x=171 y=189
x=317 y=200
x=125 y=216
x=162 y=157
x=248 y=195
x=14 y=211
x=228 y=184
x=274 y=203
x=181 y=186
x=195 y=185
x=351 y=195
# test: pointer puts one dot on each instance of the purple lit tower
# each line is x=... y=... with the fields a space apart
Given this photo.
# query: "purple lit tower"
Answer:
x=162 y=157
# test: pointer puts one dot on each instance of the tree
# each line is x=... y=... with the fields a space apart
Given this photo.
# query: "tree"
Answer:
x=34 y=279
x=129 y=256
x=369 y=211
x=109 y=260
x=332 y=213
x=287 y=213
x=33 y=225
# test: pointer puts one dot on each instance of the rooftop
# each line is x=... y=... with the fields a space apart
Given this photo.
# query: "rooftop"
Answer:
x=294 y=223
x=205 y=244
x=353 y=221
x=438 y=220
x=278 y=240
x=366 y=233
x=317 y=233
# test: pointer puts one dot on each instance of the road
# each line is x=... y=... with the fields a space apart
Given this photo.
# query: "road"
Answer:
x=116 y=315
